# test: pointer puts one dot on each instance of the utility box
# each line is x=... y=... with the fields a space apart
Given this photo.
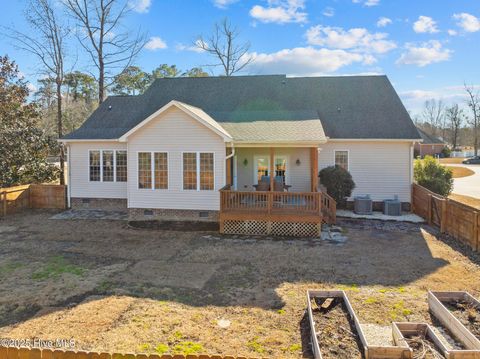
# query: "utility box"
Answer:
x=363 y=205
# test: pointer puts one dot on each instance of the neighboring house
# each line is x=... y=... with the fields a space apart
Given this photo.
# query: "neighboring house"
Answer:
x=195 y=148
x=430 y=145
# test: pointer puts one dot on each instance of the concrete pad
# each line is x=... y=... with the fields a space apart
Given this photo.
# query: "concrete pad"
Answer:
x=406 y=217
x=172 y=274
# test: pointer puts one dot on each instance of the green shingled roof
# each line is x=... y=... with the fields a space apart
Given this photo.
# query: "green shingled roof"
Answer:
x=297 y=109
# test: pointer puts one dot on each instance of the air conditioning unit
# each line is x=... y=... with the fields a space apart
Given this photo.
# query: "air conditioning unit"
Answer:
x=392 y=207
x=363 y=204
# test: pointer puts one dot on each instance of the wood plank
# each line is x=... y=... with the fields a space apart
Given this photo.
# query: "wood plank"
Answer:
x=450 y=321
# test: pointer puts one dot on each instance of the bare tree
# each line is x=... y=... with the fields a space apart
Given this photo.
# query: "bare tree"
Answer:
x=455 y=117
x=474 y=103
x=102 y=34
x=48 y=46
x=222 y=45
x=434 y=115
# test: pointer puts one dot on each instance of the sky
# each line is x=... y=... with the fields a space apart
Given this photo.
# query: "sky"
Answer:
x=427 y=48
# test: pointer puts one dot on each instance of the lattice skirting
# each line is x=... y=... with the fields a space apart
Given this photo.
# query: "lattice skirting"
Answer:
x=287 y=229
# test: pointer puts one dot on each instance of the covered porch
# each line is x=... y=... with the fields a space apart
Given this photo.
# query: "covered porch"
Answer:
x=274 y=190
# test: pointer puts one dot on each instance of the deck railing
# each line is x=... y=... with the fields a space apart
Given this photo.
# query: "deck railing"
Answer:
x=272 y=203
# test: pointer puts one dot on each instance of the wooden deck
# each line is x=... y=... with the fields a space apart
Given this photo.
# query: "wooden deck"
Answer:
x=279 y=213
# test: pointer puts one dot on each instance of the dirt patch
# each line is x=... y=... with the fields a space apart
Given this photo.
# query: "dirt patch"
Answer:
x=468 y=314
x=336 y=332
x=424 y=348
x=117 y=289
x=185 y=226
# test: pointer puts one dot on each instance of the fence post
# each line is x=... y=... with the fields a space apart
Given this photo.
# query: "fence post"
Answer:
x=443 y=219
x=476 y=233
x=412 y=199
x=4 y=203
x=429 y=209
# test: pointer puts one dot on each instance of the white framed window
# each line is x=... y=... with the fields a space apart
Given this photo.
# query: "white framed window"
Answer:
x=107 y=165
x=198 y=171
x=121 y=166
x=342 y=159
x=152 y=170
x=144 y=170
x=160 y=170
x=94 y=166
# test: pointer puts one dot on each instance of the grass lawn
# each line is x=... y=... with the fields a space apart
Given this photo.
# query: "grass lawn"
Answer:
x=459 y=172
x=452 y=160
x=112 y=288
x=470 y=201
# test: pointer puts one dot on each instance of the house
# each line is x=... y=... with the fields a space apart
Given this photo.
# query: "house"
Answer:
x=197 y=148
x=430 y=146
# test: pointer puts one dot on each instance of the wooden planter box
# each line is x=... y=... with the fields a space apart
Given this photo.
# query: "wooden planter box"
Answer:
x=370 y=352
x=403 y=330
x=447 y=318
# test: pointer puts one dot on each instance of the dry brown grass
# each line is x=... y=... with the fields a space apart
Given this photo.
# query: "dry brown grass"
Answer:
x=469 y=201
x=452 y=160
x=124 y=290
x=459 y=172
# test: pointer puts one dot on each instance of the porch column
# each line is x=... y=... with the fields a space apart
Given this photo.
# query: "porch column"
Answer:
x=272 y=167
x=314 y=168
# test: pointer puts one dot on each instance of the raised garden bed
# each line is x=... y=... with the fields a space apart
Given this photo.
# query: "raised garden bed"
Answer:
x=459 y=313
x=335 y=330
x=426 y=342
x=420 y=338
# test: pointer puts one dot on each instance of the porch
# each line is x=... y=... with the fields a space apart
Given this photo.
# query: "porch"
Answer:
x=290 y=211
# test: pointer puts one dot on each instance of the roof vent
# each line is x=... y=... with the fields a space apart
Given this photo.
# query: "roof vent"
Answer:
x=109 y=107
x=284 y=82
x=339 y=109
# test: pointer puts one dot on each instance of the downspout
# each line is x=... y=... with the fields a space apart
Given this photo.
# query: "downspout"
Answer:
x=69 y=170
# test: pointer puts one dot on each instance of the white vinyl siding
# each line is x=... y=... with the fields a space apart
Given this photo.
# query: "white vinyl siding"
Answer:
x=380 y=169
x=80 y=184
x=176 y=133
x=298 y=175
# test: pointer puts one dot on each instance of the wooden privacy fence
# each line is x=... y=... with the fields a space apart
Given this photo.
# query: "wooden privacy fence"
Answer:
x=15 y=199
x=454 y=218
x=34 y=353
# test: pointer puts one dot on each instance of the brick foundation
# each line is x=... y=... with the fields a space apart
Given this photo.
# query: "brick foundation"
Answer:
x=138 y=214
x=99 y=203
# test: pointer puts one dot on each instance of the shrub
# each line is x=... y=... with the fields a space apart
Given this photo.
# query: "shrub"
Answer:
x=446 y=152
x=433 y=176
x=339 y=183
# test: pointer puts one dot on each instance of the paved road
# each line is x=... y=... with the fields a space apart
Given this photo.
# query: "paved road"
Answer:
x=468 y=186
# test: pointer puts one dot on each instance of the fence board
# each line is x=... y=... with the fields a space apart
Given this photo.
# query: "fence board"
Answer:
x=455 y=218
x=35 y=353
x=16 y=199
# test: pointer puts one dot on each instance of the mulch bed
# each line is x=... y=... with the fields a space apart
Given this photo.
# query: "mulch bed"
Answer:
x=185 y=226
x=468 y=315
x=336 y=332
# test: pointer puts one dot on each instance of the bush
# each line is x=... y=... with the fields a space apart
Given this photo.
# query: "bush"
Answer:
x=433 y=176
x=339 y=183
x=446 y=152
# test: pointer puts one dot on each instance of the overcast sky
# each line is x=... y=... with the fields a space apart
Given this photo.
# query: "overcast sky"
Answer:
x=428 y=48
